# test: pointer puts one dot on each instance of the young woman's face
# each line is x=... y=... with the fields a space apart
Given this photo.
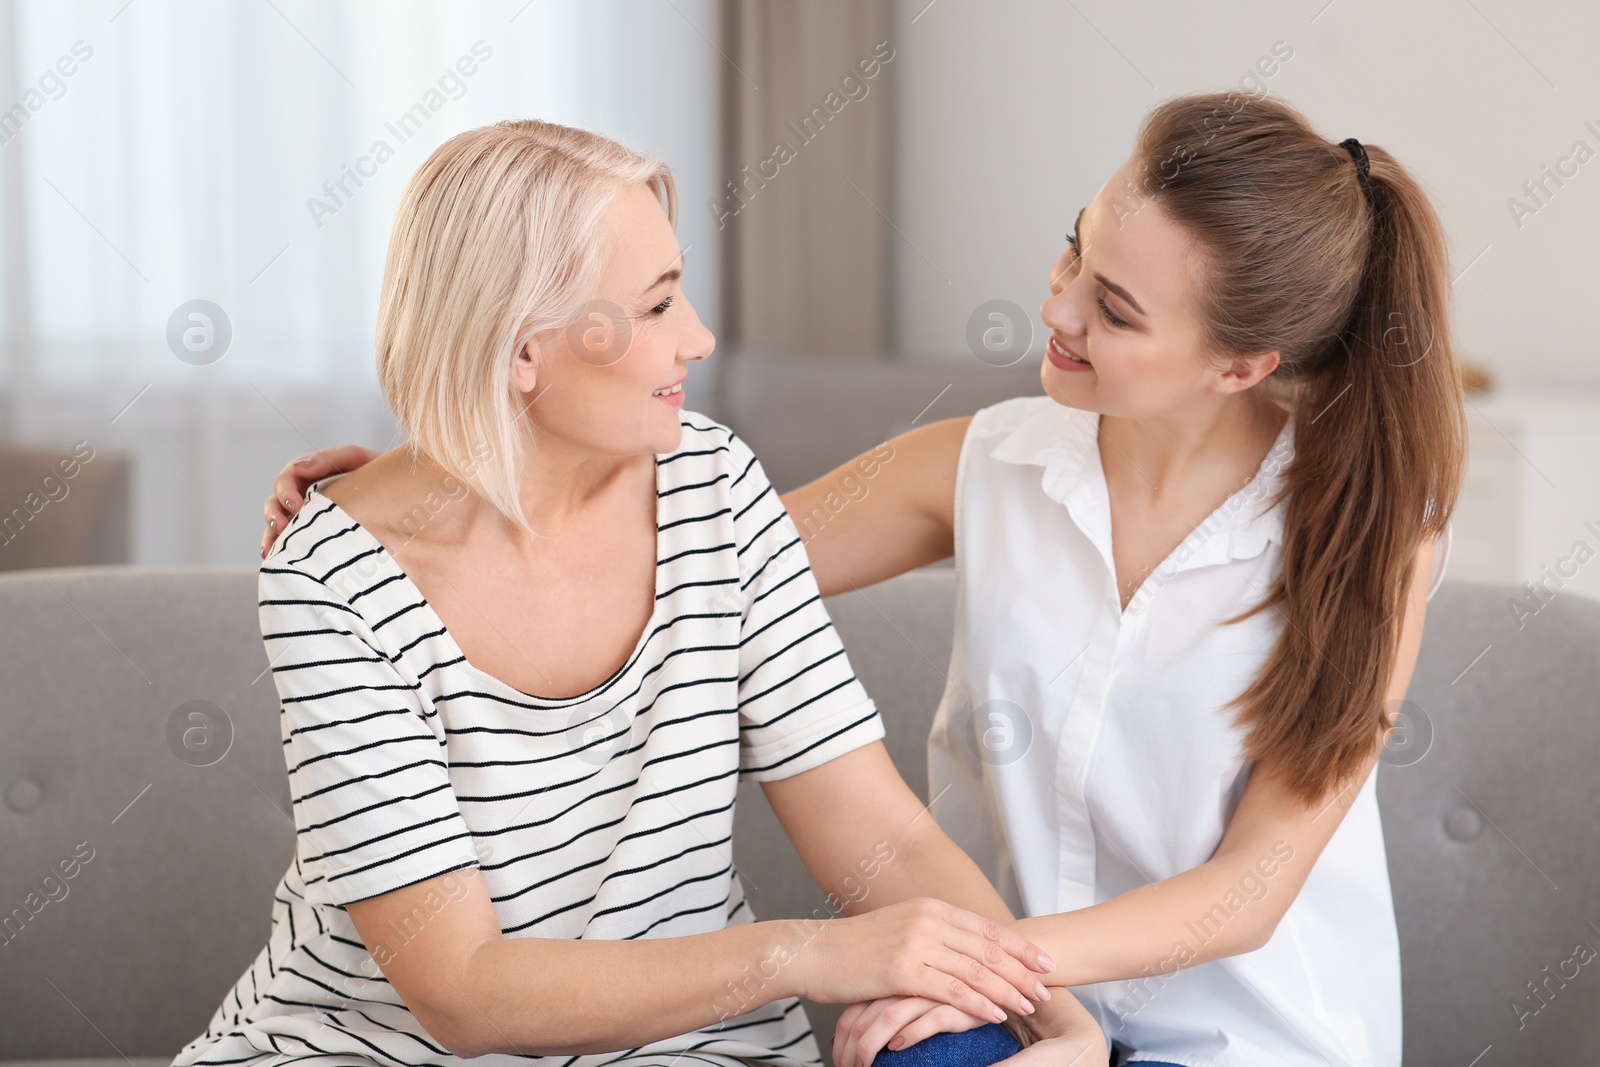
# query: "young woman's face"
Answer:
x=1123 y=300
x=611 y=382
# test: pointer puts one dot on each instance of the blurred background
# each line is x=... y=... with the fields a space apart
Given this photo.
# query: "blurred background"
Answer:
x=195 y=200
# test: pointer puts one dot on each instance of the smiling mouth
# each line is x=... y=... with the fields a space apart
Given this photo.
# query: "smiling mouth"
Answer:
x=1065 y=353
x=669 y=390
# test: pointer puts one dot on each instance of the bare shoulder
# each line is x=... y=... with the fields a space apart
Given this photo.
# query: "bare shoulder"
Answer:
x=385 y=494
x=362 y=489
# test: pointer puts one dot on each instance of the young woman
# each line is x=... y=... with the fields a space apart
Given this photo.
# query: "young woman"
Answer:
x=512 y=729
x=1192 y=581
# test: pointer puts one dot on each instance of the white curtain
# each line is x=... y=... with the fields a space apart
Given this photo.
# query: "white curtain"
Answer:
x=249 y=153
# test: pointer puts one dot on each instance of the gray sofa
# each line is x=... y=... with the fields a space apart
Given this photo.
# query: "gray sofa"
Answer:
x=1493 y=843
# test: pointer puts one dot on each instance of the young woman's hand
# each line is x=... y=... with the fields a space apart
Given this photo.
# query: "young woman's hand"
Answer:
x=1086 y=1049
x=1062 y=1023
x=923 y=948
x=1061 y=1034
x=289 y=488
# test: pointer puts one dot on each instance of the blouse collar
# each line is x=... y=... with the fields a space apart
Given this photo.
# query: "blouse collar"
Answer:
x=1064 y=442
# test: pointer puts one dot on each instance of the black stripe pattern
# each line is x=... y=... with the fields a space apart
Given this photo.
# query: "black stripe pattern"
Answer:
x=608 y=815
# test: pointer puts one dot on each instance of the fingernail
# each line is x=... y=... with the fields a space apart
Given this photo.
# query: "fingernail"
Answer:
x=1027 y=1006
x=1046 y=962
x=897 y=1043
x=999 y=1015
x=303 y=461
x=1044 y=994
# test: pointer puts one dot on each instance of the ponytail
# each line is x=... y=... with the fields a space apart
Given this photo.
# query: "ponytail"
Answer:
x=1351 y=286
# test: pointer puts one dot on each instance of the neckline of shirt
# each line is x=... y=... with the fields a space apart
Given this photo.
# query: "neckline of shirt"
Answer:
x=1063 y=441
x=453 y=651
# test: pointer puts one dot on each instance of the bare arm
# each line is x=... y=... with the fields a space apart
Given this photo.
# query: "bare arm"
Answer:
x=888 y=511
x=477 y=991
x=869 y=842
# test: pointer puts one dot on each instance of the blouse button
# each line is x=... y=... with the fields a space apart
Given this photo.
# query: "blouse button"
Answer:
x=1463 y=824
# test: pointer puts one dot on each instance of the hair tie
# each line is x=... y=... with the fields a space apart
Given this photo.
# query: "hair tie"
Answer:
x=1359 y=154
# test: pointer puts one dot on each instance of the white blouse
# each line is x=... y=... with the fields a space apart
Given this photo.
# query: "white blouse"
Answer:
x=1082 y=750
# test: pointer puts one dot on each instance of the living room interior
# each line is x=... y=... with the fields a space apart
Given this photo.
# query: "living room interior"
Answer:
x=196 y=198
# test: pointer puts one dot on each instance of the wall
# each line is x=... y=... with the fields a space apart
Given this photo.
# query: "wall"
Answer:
x=1015 y=111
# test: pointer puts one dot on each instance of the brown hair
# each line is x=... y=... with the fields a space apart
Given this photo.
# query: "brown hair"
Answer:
x=1351 y=287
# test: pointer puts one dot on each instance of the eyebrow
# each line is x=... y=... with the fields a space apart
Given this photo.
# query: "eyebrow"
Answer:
x=671 y=274
x=1077 y=226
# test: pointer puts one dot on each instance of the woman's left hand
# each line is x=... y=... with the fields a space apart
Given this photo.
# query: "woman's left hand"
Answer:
x=1061 y=1032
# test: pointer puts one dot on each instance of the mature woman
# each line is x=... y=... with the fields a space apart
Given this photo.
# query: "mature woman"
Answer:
x=512 y=729
x=1192 y=582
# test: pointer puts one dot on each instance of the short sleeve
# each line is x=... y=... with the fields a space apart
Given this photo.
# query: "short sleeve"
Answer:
x=374 y=809
x=800 y=703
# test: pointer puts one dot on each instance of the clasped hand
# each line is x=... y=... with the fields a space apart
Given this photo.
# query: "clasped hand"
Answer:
x=1060 y=1033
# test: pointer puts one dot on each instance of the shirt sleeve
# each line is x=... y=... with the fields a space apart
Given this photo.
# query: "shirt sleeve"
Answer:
x=800 y=703
x=374 y=808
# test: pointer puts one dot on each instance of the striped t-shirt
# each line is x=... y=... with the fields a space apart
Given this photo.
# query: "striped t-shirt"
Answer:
x=607 y=815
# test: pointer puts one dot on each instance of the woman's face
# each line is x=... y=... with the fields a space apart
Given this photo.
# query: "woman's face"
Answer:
x=611 y=382
x=1124 y=301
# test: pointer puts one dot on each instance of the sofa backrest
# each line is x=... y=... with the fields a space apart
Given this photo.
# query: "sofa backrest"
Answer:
x=141 y=753
x=122 y=688
x=1490 y=822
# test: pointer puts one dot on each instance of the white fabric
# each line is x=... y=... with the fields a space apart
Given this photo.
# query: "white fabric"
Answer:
x=1081 y=751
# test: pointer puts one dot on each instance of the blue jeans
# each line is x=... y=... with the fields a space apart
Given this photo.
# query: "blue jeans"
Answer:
x=982 y=1047
x=986 y=1045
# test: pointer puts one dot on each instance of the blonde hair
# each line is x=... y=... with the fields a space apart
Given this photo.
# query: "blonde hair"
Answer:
x=496 y=239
